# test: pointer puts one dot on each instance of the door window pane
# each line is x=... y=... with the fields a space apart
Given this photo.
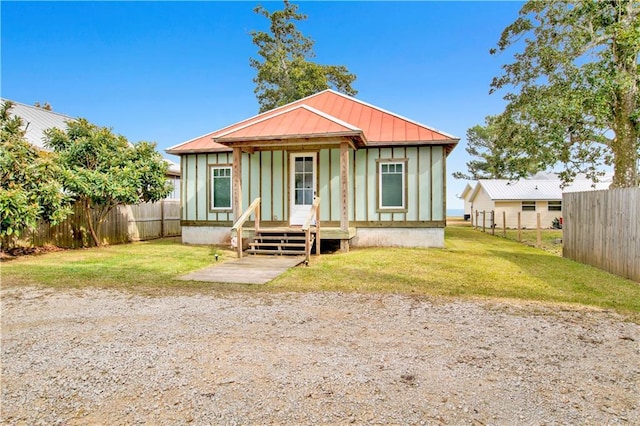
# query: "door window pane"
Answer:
x=303 y=181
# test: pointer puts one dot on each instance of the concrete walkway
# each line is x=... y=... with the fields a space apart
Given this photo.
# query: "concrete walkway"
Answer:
x=248 y=270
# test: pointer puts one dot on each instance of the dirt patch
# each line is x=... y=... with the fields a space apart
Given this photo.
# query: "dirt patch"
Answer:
x=105 y=357
x=12 y=253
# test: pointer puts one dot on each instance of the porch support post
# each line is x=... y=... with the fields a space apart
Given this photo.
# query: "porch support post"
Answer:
x=344 y=194
x=237 y=193
x=237 y=183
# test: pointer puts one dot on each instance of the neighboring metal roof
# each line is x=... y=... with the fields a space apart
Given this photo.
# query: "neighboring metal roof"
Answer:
x=378 y=127
x=467 y=189
x=37 y=120
x=532 y=189
x=174 y=168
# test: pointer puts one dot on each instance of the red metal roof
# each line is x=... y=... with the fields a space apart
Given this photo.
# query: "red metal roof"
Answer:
x=298 y=121
x=320 y=115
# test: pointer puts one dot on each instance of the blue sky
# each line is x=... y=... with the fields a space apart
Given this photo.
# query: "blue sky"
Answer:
x=170 y=71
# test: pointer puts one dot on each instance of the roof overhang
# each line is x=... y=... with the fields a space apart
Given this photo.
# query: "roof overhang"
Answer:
x=354 y=139
x=175 y=150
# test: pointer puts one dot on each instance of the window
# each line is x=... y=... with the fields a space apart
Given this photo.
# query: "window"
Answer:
x=220 y=187
x=391 y=185
x=175 y=193
x=555 y=206
x=528 y=206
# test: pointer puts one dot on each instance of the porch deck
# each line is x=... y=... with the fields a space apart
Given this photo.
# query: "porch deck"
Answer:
x=326 y=232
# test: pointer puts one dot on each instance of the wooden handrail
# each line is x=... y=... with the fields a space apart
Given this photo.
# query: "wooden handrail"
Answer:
x=314 y=207
x=237 y=226
x=306 y=227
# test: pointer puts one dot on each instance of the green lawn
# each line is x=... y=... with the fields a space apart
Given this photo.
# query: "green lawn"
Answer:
x=473 y=265
x=550 y=239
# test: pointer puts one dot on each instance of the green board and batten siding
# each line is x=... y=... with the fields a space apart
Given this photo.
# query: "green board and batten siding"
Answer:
x=265 y=175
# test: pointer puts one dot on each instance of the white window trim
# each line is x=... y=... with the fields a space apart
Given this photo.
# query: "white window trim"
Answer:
x=212 y=167
x=402 y=162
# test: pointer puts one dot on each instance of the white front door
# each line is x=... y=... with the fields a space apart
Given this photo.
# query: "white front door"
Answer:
x=303 y=186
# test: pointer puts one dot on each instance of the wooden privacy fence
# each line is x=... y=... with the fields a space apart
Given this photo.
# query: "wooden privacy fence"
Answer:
x=123 y=224
x=602 y=229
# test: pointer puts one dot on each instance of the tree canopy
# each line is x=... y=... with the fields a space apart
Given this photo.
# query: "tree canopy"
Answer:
x=30 y=189
x=102 y=170
x=284 y=73
x=494 y=159
x=574 y=86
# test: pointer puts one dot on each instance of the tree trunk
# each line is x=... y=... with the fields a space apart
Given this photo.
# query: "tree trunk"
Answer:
x=90 y=224
x=625 y=144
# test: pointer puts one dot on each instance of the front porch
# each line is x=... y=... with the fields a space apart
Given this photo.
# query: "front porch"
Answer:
x=303 y=185
x=288 y=240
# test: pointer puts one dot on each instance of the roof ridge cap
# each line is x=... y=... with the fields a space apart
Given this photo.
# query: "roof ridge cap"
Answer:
x=330 y=117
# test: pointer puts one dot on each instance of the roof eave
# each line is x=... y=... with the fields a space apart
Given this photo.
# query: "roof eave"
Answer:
x=446 y=142
x=177 y=151
x=316 y=136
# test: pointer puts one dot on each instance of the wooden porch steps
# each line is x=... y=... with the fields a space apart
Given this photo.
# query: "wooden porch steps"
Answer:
x=279 y=241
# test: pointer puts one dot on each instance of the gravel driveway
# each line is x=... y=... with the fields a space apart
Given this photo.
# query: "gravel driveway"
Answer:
x=106 y=357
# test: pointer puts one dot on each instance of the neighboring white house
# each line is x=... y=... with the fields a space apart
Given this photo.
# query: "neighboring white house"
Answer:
x=173 y=176
x=465 y=196
x=525 y=196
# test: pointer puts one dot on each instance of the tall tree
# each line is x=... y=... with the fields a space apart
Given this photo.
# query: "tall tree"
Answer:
x=576 y=84
x=285 y=74
x=30 y=189
x=499 y=151
x=103 y=170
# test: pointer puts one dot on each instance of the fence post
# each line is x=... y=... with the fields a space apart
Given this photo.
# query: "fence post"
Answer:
x=504 y=224
x=493 y=222
x=519 y=229
x=484 y=220
x=476 y=222
x=539 y=232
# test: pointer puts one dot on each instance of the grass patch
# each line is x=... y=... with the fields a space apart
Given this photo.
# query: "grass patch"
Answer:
x=146 y=266
x=550 y=239
x=473 y=265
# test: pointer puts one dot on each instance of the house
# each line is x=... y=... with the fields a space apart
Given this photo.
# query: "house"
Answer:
x=465 y=196
x=379 y=178
x=37 y=120
x=173 y=176
x=528 y=197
